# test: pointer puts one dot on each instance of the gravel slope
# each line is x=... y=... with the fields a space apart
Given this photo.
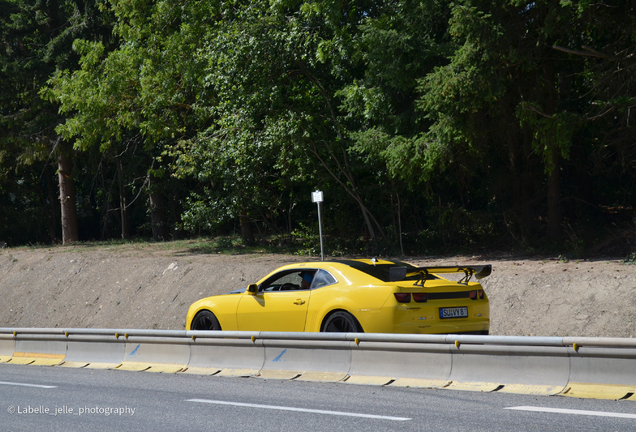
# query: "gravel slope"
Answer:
x=147 y=286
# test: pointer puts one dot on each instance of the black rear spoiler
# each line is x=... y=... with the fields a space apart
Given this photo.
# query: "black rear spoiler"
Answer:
x=400 y=273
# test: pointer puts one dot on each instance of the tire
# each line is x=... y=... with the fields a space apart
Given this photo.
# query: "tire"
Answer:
x=341 y=322
x=205 y=320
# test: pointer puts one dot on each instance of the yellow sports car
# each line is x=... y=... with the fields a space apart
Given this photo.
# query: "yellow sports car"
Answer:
x=366 y=295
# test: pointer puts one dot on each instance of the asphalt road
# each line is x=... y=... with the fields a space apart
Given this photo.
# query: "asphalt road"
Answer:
x=63 y=399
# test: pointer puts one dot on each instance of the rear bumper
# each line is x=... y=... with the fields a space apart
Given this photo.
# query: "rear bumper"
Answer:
x=424 y=318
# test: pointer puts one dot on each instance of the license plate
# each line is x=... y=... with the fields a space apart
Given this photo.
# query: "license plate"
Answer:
x=454 y=312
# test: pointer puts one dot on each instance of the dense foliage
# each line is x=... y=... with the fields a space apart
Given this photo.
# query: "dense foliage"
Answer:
x=430 y=126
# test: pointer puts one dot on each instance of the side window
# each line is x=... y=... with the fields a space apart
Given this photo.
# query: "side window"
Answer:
x=322 y=278
x=283 y=281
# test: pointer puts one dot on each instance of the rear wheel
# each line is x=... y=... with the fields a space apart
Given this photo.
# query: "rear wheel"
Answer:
x=341 y=322
x=205 y=320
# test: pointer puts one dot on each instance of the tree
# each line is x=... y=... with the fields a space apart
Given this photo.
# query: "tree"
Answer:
x=142 y=91
x=506 y=88
x=37 y=38
x=275 y=105
x=396 y=45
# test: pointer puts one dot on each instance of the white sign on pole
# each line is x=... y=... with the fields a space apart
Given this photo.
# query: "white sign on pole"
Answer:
x=317 y=198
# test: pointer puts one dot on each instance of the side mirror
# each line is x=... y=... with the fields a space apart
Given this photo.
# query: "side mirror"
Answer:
x=252 y=289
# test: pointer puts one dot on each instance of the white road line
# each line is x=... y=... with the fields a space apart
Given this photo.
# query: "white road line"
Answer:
x=575 y=412
x=25 y=385
x=314 y=411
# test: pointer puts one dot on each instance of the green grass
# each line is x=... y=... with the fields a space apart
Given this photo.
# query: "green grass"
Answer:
x=233 y=245
x=228 y=245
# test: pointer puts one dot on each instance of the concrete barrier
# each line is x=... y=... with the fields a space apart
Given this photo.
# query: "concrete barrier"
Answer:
x=303 y=360
x=400 y=364
x=7 y=347
x=602 y=373
x=160 y=354
x=536 y=370
x=226 y=357
x=94 y=352
x=578 y=367
x=49 y=350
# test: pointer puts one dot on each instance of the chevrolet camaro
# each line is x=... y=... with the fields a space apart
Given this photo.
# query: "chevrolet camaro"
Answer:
x=362 y=295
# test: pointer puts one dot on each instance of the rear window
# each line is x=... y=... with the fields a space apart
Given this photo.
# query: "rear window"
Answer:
x=381 y=271
x=322 y=278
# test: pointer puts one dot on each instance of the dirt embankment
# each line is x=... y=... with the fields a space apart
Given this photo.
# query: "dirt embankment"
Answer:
x=132 y=286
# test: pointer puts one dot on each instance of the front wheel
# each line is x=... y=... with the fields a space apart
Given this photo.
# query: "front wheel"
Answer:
x=205 y=320
x=341 y=322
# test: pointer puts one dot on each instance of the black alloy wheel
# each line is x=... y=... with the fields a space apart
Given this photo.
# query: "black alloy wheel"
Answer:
x=341 y=322
x=205 y=320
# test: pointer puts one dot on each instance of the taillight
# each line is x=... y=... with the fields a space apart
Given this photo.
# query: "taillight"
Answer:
x=420 y=297
x=473 y=295
x=403 y=297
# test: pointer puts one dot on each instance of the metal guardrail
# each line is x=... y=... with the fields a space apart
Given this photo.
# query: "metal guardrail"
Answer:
x=367 y=337
x=571 y=366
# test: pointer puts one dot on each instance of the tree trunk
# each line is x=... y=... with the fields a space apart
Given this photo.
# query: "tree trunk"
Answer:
x=70 y=232
x=290 y=221
x=125 y=221
x=246 y=229
x=158 y=218
x=554 y=164
x=554 y=198
x=399 y=223
x=53 y=221
x=367 y=221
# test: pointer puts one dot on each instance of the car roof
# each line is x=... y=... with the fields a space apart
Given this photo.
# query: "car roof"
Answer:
x=377 y=268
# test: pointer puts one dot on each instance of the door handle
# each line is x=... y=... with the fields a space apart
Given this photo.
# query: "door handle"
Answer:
x=299 y=302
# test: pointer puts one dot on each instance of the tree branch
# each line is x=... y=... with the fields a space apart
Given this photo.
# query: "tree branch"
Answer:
x=536 y=110
x=610 y=109
x=589 y=52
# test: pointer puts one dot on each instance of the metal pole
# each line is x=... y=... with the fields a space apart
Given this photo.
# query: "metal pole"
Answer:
x=317 y=197
x=322 y=252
